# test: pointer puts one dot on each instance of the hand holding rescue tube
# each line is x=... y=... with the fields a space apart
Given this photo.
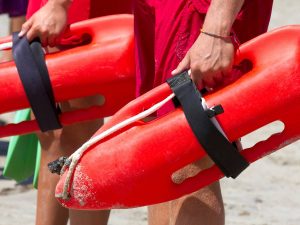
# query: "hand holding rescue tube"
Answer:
x=48 y=23
x=110 y=37
x=126 y=170
x=211 y=56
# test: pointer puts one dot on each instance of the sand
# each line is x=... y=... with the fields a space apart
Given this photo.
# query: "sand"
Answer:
x=267 y=193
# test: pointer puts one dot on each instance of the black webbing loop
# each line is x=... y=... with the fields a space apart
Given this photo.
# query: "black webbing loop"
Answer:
x=32 y=69
x=219 y=149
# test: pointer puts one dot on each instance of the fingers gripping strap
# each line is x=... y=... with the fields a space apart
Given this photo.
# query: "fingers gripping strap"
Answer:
x=30 y=63
x=219 y=149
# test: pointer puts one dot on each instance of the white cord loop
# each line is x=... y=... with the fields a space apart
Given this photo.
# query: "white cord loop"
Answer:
x=5 y=46
x=75 y=157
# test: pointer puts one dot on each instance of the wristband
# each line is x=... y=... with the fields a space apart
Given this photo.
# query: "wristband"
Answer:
x=231 y=37
x=215 y=35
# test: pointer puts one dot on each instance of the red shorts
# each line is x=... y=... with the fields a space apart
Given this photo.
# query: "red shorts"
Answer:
x=166 y=29
x=85 y=9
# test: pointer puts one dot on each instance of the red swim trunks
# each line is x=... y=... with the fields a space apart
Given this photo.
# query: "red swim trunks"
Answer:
x=166 y=29
x=85 y=9
x=73 y=16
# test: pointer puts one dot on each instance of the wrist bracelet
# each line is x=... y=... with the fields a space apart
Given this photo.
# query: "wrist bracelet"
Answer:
x=215 y=35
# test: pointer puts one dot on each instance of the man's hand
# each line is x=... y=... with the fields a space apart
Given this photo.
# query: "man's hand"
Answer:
x=47 y=23
x=211 y=56
x=210 y=59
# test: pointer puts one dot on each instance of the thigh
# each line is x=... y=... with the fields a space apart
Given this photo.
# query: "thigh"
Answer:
x=203 y=207
x=71 y=137
x=64 y=142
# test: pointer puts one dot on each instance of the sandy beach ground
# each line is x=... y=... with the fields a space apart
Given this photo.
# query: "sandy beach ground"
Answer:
x=267 y=193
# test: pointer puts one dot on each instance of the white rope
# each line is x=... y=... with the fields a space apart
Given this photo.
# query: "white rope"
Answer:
x=5 y=46
x=74 y=158
x=72 y=161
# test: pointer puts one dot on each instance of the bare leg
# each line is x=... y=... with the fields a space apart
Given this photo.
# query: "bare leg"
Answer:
x=204 y=207
x=15 y=25
x=49 y=212
x=89 y=217
x=62 y=143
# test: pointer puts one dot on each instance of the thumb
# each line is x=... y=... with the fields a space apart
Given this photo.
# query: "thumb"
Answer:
x=183 y=65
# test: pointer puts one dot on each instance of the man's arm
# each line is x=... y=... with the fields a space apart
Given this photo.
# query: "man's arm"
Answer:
x=211 y=56
x=48 y=22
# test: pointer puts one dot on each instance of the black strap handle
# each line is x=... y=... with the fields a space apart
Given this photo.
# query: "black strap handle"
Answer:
x=220 y=150
x=33 y=72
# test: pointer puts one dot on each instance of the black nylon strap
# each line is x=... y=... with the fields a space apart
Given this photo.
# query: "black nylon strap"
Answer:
x=219 y=149
x=32 y=69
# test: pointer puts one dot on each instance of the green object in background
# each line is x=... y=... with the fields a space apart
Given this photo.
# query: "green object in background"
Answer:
x=37 y=165
x=23 y=156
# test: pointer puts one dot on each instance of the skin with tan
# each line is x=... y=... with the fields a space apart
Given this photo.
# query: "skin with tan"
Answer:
x=48 y=24
x=210 y=59
x=59 y=143
x=14 y=26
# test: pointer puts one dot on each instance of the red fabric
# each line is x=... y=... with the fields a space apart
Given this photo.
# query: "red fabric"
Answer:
x=83 y=10
x=82 y=6
x=166 y=29
x=103 y=8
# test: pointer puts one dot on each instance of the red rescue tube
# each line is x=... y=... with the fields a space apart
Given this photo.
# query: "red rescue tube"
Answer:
x=104 y=66
x=133 y=167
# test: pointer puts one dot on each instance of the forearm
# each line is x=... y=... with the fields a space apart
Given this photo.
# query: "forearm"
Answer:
x=48 y=22
x=221 y=15
x=64 y=3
